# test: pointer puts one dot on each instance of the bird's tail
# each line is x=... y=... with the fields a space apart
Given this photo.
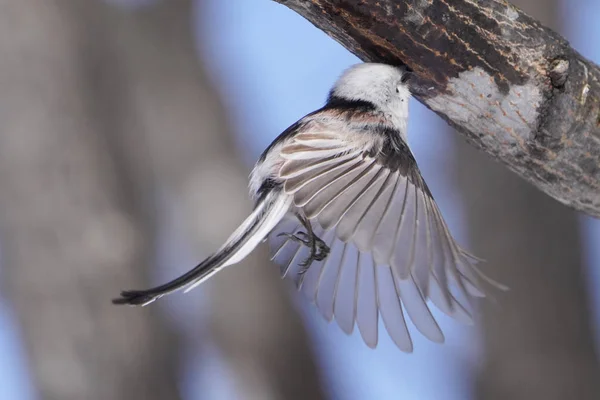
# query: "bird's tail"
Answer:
x=269 y=210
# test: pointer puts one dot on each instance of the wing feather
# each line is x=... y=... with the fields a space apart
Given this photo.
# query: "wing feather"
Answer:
x=298 y=151
x=314 y=187
x=417 y=309
x=344 y=305
x=391 y=251
x=453 y=308
x=403 y=251
x=391 y=308
x=438 y=257
x=464 y=277
x=332 y=190
x=294 y=168
x=367 y=226
x=319 y=140
x=366 y=303
x=293 y=269
x=358 y=211
x=324 y=172
x=382 y=243
x=421 y=268
x=327 y=283
x=331 y=214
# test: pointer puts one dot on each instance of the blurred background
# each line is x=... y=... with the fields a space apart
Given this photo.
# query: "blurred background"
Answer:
x=127 y=131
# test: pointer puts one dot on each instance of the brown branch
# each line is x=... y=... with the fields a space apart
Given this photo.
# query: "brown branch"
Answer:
x=512 y=87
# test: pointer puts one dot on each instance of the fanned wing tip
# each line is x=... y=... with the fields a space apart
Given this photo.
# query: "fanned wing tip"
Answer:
x=474 y=261
x=390 y=308
x=371 y=344
x=471 y=257
x=458 y=312
x=367 y=312
x=480 y=274
x=462 y=270
x=418 y=311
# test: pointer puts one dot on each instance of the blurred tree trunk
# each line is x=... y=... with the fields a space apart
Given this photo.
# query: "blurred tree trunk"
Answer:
x=538 y=342
x=71 y=229
x=178 y=126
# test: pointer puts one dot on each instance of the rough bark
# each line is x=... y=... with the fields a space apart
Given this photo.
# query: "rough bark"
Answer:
x=511 y=86
x=538 y=341
x=70 y=226
x=178 y=127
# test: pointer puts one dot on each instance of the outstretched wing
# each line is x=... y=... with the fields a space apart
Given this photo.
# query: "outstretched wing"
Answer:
x=390 y=247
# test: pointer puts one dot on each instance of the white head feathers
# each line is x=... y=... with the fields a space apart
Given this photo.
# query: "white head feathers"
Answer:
x=380 y=84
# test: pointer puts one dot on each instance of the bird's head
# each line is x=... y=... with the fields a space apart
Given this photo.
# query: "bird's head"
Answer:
x=385 y=86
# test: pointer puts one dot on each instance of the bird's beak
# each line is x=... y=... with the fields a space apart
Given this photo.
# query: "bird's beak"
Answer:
x=408 y=78
x=415 y=86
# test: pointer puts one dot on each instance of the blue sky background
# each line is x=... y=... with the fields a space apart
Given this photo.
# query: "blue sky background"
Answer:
x=583 y=31
x=272 y=67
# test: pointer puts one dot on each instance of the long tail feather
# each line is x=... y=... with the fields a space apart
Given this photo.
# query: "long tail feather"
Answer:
x=267 y=213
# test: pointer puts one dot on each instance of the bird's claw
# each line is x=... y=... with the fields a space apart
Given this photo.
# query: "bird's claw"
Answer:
x=300 y=237
x=322 y=250
x=318 y=248
x=318 y=252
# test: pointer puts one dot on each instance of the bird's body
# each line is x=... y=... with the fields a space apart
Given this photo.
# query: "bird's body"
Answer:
x=349 y=217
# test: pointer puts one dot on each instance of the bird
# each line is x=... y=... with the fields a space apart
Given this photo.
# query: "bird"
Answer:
x=350 y=220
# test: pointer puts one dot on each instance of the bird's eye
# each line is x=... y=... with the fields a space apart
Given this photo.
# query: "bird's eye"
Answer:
x=397 y=89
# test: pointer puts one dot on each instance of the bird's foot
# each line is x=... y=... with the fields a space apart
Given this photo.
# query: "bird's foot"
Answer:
x=300 y=237
x=318 y=248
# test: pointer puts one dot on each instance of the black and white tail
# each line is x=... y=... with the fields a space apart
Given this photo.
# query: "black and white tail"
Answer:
x=269 y=210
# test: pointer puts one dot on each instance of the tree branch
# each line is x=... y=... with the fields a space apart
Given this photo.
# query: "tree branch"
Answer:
x=512 y=87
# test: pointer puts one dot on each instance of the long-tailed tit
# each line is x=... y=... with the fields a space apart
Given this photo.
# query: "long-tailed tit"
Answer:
x=350 y=218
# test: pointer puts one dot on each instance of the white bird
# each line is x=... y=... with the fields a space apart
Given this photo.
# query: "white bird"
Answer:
x=350 y=218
